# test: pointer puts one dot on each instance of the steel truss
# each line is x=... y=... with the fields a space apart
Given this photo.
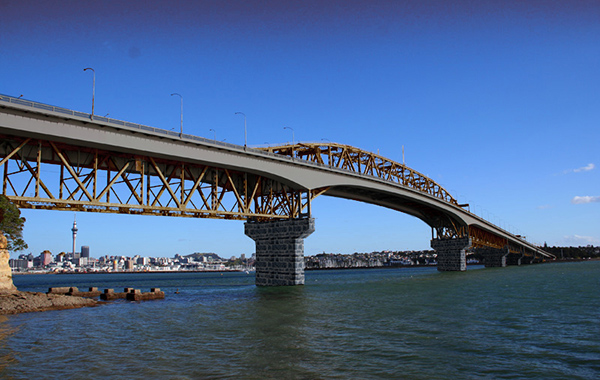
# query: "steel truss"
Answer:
x=359 y=161
x=41 y=174
x=483 y=239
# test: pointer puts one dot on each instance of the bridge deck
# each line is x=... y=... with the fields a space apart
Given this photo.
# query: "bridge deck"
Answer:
x=150 y=170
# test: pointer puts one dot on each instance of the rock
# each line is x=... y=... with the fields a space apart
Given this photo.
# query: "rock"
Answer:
x=6 y=282
x=24 y=302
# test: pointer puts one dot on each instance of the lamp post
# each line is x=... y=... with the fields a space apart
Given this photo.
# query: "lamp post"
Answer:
x=245 y=129
x=181 y=121
x=93 y=88
x=291 y=129
x=215 y=134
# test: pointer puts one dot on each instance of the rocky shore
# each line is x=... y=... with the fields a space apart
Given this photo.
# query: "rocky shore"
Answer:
x=24 y=302
x=13 y=301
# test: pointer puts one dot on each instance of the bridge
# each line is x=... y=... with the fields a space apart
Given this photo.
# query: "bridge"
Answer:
x=57 y=159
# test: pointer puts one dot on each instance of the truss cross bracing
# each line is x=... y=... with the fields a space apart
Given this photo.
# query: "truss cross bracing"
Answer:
x=42 y=174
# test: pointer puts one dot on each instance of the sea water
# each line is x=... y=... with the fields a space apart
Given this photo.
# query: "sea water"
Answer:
x=527 y=322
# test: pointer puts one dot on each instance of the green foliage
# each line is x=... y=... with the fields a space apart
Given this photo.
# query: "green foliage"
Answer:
x=11 y=224
x=232 y=263
x=574 y=252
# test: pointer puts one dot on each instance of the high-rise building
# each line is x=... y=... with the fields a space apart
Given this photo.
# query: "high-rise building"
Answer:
x=74 y=230
x=46 y=258
x=85 y=251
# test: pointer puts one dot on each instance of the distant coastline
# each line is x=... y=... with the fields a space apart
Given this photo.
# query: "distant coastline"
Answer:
x=394 y=266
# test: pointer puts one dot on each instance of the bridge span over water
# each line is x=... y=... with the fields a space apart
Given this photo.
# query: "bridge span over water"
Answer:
x=59 y=159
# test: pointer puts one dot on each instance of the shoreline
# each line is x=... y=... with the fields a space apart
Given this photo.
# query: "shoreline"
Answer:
x=16 y=302
x=133 y=272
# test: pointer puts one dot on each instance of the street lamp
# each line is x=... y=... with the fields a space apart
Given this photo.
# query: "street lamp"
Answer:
x=245 y=129
x=93 y=89
x=181 y=122
x=291 y=129
x=215 y=134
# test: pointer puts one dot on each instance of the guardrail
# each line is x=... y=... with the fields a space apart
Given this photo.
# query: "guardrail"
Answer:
x=47 y=107
x=120 y=123
x=176 y=135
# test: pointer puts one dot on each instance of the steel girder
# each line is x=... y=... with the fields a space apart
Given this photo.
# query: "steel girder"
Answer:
x=41 y=174
x=484 y=239
x=359 y=161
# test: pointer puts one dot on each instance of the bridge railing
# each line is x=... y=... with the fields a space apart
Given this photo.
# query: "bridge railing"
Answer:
x=125 y=124
x=121 y=123
x=103 y=119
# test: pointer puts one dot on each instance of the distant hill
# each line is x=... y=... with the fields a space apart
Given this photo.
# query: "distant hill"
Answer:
x=197 y=256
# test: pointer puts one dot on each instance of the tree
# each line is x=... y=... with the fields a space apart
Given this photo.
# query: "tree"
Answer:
x=11 y=224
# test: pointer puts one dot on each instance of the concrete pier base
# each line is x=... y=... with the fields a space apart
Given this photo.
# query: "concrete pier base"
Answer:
x=495 y=257
x=451 y=253
x=514 y=258
x=280 y=250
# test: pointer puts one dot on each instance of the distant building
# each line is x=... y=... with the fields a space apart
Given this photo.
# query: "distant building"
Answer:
x=74 y=231
x=85 y=251
x=82 y=261
x=46 y=258
x=129 y=264
x=142 y=261
x=20 y=263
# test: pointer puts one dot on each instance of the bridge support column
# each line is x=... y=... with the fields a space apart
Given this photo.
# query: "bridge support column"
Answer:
x=514 y=259
x=451 y=253
x=280 y=250
x=495 y=257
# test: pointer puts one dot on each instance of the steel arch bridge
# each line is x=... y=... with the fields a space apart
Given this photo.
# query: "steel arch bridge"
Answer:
x=59 y=159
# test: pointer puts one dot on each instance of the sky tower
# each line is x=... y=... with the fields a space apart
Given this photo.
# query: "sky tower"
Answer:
x=74 y=229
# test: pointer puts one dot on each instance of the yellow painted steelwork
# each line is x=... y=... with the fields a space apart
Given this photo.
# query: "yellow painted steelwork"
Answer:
x=360 y=161
x=40 y=174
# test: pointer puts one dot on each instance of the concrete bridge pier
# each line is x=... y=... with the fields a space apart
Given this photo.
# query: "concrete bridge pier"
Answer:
x=451 y=253
x=280 y=250
x=514 y=258
x=495 y=257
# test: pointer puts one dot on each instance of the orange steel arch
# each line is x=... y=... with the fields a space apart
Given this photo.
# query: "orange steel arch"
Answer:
x=360 y=161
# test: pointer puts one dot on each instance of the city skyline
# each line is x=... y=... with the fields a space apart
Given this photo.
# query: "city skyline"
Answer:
x=497 y=103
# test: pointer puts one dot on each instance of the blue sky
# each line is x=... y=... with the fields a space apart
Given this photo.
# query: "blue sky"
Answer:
x=496 y=101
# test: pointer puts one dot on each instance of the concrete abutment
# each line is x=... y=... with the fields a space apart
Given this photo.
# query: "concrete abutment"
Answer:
x=280 y=250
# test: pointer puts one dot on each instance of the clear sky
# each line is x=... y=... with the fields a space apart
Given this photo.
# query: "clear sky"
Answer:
x=498 y=101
